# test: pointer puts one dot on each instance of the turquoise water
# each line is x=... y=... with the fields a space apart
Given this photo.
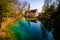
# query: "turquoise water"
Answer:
x=25 y=30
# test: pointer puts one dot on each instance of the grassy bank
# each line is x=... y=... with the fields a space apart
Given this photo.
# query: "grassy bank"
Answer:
x=30 y=19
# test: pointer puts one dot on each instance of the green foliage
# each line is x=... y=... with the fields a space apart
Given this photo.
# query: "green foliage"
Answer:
x=6 y=15
x=51 y=16
x=46 y=16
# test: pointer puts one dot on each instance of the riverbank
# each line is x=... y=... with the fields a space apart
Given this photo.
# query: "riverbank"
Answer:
x=6 y=23
x=30 y=19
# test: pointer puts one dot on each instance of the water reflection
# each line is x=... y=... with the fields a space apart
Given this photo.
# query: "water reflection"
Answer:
x=29 y=30
x=35 y=31
x=38 y=33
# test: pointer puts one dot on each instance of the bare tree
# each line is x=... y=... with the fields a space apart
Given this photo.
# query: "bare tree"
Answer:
x=13 y=7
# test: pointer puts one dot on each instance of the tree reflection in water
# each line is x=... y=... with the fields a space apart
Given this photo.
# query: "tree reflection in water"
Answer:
x=30 y=31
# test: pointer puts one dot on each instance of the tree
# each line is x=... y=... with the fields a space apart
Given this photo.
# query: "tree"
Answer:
x=51 y=16
x=56 y=17
x=49 y=10
x=11 y=8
